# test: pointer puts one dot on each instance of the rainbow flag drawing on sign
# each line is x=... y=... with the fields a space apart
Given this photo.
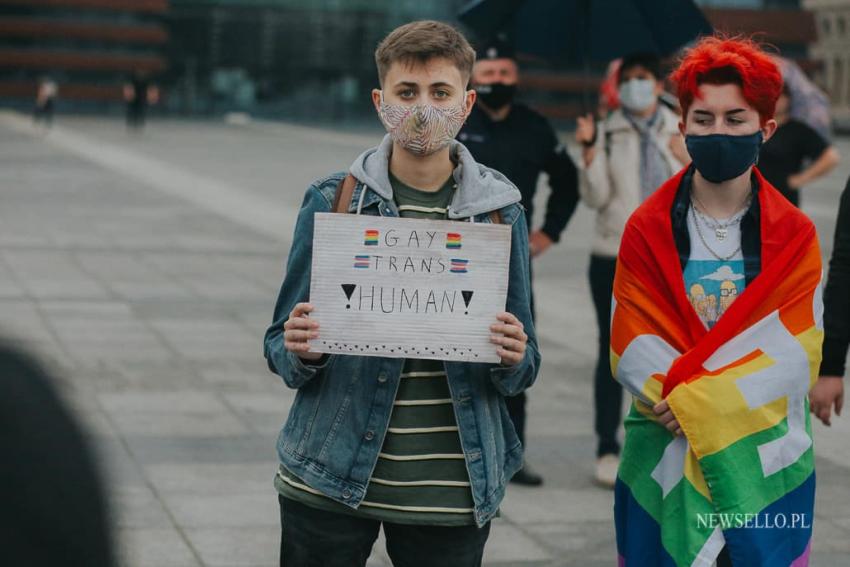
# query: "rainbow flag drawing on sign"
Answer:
x=742 y=475
x=459 y=266
x=370 y=237
x=361 y=261
x=453 y=240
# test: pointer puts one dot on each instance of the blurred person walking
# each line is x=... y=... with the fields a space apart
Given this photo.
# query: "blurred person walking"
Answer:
x=45 y=103
x=139 y=94
x=626 y=157
x=519 y=142
x=796 y=155
x=827 y=395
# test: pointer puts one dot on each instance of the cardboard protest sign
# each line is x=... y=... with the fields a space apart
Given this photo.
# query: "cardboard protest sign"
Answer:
x=411 y=288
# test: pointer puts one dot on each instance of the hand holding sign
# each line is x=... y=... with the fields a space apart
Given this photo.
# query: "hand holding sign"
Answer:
x=298 y=330
x=512 y=339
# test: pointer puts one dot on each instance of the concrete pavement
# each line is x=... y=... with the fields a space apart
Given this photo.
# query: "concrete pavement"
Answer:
x=144 y=270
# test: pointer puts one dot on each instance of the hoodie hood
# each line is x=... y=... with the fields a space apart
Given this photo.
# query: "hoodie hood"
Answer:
x=479 y=188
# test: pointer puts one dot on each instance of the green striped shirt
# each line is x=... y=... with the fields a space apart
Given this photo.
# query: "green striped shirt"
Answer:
x=421 y=475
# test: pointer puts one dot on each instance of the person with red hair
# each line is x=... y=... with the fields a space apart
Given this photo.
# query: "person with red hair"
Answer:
x=717 y=317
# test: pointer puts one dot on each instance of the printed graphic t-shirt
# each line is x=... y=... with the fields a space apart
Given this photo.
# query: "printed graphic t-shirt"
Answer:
x=712 y=284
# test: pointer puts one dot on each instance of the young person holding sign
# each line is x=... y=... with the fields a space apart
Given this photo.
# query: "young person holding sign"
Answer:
x=423 y=447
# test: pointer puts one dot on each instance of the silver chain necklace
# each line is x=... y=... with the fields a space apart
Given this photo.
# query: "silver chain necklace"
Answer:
x=721 y=229
x=704 y=243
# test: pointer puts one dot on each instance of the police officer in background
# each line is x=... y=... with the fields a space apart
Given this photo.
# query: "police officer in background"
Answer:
x=517 y=141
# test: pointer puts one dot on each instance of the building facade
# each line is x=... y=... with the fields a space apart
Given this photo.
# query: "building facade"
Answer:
x=785 y=24
x=298 y=59
x=309 y=59
x=89 y=48
x=832 y=49
x=313 y=59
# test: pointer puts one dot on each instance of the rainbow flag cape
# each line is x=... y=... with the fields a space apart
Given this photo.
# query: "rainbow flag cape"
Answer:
x=743 y=473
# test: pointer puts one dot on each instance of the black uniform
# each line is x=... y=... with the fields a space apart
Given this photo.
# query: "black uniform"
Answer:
x=522 y=146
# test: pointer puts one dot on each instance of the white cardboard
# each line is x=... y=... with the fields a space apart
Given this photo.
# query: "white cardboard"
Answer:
x=409 y=291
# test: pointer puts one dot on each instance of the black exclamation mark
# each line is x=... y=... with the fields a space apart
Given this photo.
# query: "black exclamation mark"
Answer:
x=348 y=288
x=467 y=297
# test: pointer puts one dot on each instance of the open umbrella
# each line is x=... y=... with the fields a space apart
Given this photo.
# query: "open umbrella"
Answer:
x=581 y=30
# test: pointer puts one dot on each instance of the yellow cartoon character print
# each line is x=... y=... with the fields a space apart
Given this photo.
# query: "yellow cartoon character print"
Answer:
x=728 y=294
x=712 y=286
x=705 y=305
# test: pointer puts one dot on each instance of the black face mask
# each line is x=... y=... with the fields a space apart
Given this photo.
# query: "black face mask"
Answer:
x=721 y=157
x=496 y=95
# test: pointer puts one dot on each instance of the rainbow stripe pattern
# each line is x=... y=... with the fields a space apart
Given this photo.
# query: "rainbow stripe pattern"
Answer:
x=458 y=266
x=742 y=474
x=370 y=238
x=453 y=240
x=361 y=261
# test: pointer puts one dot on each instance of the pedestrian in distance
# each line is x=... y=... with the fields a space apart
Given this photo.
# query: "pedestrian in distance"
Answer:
x=45 y=103
x=139 y=95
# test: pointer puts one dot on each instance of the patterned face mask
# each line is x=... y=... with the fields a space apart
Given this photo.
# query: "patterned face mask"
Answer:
x=422 y=129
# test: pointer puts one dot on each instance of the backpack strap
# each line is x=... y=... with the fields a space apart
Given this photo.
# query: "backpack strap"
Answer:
x=344 y=192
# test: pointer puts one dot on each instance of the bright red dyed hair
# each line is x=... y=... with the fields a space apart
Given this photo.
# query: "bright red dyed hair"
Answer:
x=720 y=61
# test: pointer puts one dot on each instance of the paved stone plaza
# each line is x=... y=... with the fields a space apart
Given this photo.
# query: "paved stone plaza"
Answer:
x=143 y=269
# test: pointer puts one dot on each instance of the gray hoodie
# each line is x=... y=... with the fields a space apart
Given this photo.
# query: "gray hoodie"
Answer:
x=479 y=188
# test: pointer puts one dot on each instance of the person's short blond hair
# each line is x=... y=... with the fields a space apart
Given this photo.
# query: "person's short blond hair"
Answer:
x=419 y=42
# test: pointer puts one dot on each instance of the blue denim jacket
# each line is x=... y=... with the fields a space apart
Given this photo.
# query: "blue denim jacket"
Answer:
x=339 y=418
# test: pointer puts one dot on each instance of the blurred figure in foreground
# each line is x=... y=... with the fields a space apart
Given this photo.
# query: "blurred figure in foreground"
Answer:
x=53 y=509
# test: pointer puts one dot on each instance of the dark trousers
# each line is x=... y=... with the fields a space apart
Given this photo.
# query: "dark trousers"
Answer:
x=607 y=392
x=136 y=115
x=317 y=538
x=44 y=113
